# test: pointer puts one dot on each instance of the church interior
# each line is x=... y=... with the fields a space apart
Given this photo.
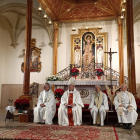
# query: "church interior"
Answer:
x=97 y=42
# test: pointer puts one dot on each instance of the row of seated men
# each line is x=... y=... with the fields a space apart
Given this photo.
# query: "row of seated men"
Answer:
x=70 y=109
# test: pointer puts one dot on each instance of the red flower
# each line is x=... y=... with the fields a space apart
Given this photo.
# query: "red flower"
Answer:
x=99 y=72
x=58 y=93
x=74 y=72
x=21 y=104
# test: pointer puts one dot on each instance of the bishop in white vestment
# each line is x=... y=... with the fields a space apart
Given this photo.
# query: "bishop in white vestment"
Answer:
x=98 y=106
x=125 y=106
x=46 y=106
x=70 y=110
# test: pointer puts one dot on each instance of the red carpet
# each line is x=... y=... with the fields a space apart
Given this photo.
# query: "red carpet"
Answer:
x=55 y=132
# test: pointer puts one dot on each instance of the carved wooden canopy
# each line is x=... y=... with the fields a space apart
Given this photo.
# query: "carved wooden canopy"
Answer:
x=81 y=10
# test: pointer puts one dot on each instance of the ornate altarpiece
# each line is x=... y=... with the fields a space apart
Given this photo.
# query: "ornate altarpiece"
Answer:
x=98 y=41
x=35 y=64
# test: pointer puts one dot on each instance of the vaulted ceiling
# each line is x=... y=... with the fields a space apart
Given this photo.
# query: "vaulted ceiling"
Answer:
x=81 y=10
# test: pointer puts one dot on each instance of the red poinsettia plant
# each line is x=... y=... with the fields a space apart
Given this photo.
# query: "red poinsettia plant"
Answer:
x=58 y=93
x=74 y=72
x=138 y=105
x=99 y=72
x=22 y=104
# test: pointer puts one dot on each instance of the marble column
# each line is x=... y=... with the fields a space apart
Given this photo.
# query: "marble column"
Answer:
x=55 y=46
x=130 y=47
x=120 y=43
x=26 y=79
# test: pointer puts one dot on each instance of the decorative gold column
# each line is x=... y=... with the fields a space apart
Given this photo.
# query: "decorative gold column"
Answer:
x=120 y=43
x=55 y=45
x=26 y=79
x=130 y=47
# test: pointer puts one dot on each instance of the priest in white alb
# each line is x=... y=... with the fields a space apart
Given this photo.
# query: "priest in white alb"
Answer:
x=46 y=106
x=70 y=110
x=98 y=106
x=125 y=106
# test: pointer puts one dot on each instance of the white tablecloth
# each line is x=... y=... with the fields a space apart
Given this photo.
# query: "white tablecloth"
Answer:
x=85 y=82
x=10 y=108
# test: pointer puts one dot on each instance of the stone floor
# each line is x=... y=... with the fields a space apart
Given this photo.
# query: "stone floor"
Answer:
x=123 y=134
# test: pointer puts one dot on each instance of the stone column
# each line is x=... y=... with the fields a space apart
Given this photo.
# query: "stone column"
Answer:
x=55 y=45
x=120 y=43
x=26 y=79
x=130 y=47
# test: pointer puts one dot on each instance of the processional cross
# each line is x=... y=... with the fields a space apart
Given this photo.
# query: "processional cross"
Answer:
x=110 y=54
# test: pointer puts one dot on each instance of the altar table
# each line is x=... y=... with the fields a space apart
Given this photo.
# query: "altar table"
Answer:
x=85 y=87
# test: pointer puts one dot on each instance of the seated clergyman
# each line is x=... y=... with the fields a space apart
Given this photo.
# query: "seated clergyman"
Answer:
x=70 y=110
x=98 y=106
x=125 y=106
x=46 y=106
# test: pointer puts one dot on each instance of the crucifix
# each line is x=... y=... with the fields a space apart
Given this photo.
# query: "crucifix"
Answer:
x=110 y=54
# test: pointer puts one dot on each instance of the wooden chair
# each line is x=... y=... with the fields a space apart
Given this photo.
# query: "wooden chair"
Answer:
x=112 y=114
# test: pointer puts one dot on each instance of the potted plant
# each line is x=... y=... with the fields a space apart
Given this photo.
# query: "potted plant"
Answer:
x=74 y=72
x=99 y=73
x=21 y=105
x=58 y=93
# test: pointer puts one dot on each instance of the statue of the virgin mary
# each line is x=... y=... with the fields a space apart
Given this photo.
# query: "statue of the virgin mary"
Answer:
x=88 y=53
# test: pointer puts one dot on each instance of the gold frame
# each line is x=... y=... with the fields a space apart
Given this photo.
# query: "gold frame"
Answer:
x=38 y=51
x=95 y=31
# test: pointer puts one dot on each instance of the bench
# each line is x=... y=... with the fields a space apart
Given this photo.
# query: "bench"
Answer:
x=86 y=116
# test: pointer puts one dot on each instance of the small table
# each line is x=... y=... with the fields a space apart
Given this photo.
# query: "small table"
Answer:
x=10 y=111
x=23 y=117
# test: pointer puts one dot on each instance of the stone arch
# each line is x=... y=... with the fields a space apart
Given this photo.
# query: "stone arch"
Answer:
x=20 y=9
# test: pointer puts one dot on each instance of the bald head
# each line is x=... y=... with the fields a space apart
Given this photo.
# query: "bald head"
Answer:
x=97 y=88
x=123 y=87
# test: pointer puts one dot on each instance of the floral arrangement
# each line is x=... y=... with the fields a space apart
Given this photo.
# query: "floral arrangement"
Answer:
x=58 y=93
x=53 y=78
x=21 y=104
x=74 y=72
x=99 y=72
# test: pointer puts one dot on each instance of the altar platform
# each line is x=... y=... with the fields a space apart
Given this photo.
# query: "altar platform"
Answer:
x=85 y=87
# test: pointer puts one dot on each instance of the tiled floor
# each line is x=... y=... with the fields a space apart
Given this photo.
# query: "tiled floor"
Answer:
x=123 y=134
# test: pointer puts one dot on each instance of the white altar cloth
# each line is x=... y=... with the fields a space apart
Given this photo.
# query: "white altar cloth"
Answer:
x=85 y=87
x=85 y=82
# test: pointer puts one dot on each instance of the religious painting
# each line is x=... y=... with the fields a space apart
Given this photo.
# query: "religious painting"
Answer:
x=89 y=46
x=99 y=49
x=100 y=53
x=77 y=51
x=35 y=64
